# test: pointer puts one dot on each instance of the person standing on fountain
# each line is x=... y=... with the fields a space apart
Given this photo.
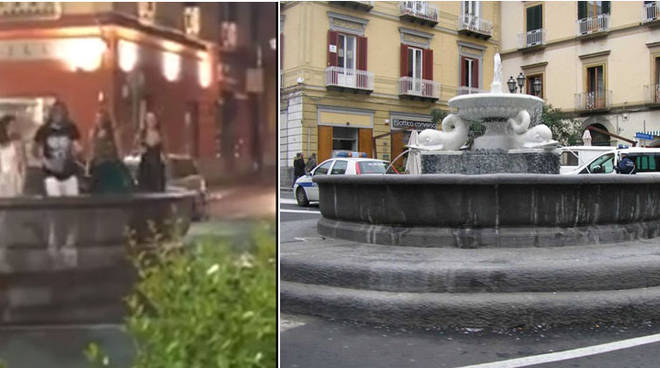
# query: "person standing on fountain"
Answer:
x=109 y=175
x=151 y=172
x=12 y=160
x=57 y=144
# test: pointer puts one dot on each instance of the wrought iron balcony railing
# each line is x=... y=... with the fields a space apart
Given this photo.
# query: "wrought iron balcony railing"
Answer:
x=409 y=86
x=349 y=78
x=464 y=90
x=475 y=24
x=595 y=100
x=586 y=26
x=532 y=38
x=419 y=9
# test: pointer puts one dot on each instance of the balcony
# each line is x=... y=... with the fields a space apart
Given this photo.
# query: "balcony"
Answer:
x=474 y=26
x=650 y=15
x=593 y=101
x=419 y=89
x=357 y=5
x=593 y=26
x=343 y=79
x=653 y=93
x=532 y=39
x=419 y=12
x=463 y=90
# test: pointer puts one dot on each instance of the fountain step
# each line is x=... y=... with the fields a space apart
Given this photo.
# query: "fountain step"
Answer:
x=448 y=270
x=497 y=310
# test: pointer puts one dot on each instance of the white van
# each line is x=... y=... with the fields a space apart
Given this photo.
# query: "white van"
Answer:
x=646 y=160
x=572 y=157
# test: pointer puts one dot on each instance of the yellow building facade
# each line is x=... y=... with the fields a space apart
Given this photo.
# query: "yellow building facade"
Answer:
x=597 y=60
x=359 y=76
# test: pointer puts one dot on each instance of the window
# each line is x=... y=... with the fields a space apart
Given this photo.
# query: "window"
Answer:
x=529 y=85
x=147 y=10
x=646 y=163
x=323 y=169
x=372 y=167
x=191 y=19
x=344 y=139
x=346 y=46
x=469 y=72
x=339 y=168
x=471 y=8
x=656 y=86
x=601 y=165
x=595 y=87
x=592 y=9
x=534 y=35
x=415 y=65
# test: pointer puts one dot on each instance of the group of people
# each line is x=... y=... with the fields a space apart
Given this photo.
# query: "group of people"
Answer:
x=57 y=146
x=301 y=168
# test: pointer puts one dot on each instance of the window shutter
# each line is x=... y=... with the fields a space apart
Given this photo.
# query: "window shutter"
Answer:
x=606 y=7
x=475 y=73
x=582 y=9
x=404 y=60
x=332 y=56
x=281 y=50
x=361 y=53
x=427 y=72
x=463 y=71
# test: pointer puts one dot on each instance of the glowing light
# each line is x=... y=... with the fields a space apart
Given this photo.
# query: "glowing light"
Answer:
x=204 y=73
x=83 y=53
x=171 y=66
x=128 y=55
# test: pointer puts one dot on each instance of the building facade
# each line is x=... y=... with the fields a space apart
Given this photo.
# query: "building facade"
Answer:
x=598 y=61
x=359 y=75
x=127 y=57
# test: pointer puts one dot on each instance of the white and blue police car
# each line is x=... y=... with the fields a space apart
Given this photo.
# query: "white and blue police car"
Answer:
x=343 y=163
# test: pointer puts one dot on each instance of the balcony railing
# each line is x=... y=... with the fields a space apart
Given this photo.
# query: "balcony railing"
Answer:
x=420 y=10
x=349 y=78
x=409 y=86
x=475 y=25
x=463 y=90
x=586 y=26
x=532 y=38
x=360 y=5
x=653 y=93
x=593 y=100
x=649 y=13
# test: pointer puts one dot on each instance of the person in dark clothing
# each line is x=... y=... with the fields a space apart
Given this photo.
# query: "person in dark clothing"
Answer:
x=57 y=145
x=151 y=172
x=311 y=163
x=109 y=175
x=298 y=167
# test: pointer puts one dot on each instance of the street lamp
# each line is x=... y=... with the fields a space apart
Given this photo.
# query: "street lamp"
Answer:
x=512 y=84
x=537 y=86
x=521 y=81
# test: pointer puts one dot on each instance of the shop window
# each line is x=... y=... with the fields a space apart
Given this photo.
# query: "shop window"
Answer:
x=191 y=20
x=344 y=139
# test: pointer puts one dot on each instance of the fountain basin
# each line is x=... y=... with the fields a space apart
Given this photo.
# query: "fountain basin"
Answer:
x=495 y=106
x=495 y=210
x=64 y=260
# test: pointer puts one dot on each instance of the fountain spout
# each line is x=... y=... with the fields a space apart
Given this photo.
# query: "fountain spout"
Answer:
x=496 y=86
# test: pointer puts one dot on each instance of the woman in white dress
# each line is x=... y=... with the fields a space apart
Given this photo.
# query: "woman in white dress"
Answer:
x=12 y=160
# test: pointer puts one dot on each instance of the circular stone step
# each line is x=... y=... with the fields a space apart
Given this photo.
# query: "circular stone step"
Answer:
x=500 y=310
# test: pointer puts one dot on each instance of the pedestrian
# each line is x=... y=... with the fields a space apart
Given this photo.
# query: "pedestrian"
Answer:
x=57 y=144
x=311 y=163
x=151 y=171
x=298 y=166
x=109 y=174
x=12 y=159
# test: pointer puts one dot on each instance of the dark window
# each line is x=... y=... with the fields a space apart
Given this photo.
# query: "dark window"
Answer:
x=323 y=169
x=372 y=167
x=534 y=17
x=339 y=168
x=589 y=9
x=646 y=163
x=602 y=165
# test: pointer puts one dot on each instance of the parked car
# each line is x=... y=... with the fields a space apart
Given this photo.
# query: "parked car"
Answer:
x=181 y=171
x=573 y=157
x=645 y=160
x=307 y=191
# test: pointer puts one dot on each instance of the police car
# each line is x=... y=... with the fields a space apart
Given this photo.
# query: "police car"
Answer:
x=641 y=160
x=344 y=163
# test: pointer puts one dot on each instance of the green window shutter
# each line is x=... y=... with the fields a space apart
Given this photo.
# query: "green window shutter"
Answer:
x=606 y=7
x=534 y=18
x=582 y=9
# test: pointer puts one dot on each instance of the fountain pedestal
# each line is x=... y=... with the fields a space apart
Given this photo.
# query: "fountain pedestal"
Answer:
x=490 y=161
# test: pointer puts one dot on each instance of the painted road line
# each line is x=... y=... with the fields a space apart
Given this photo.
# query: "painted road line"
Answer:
x=299 y=211
x=570 y=354
x=287 y=201
x=286 y=324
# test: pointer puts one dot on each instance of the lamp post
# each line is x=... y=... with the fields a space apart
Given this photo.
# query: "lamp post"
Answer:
x=511 y=83
x=521 y=81
x=537 y=86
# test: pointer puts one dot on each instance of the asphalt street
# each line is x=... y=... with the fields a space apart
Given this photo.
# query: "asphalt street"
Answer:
x=307 y=341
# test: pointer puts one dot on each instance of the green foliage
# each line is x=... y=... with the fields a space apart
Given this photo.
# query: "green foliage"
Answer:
x=211 y=304
x=437 y=115
x=566 y=131
x=2 y=364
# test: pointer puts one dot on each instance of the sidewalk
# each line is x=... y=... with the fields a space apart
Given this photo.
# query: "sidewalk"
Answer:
x=243 y=201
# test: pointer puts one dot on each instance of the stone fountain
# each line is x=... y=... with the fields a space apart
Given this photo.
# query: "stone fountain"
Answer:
x=490 y=237
x=509 y=144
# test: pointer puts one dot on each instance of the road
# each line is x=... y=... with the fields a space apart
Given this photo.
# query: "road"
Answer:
x=316 y=342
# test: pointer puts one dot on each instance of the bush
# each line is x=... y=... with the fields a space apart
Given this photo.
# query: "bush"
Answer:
x=206 y=305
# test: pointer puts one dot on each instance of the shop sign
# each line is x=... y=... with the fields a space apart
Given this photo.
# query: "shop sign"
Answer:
x=413 y=124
